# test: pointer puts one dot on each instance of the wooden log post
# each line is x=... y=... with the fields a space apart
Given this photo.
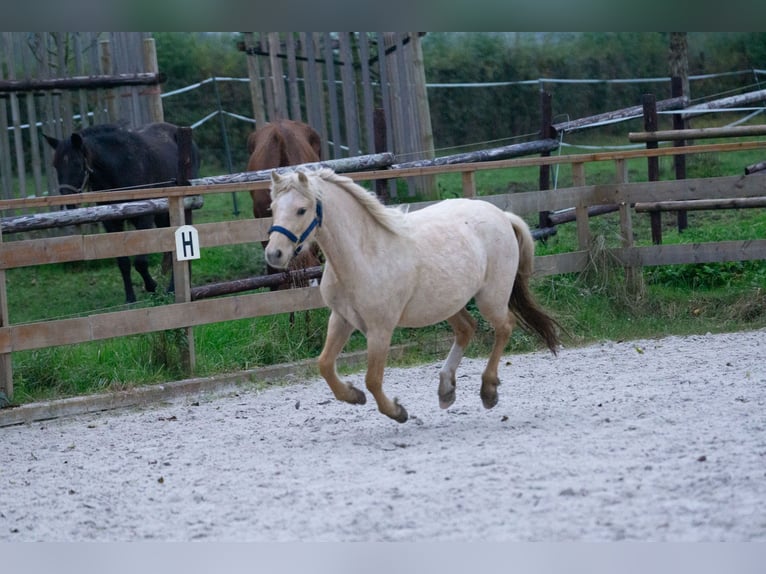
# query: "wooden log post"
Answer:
x=381 y=185
x=679 y=161
x=546 y=131
x=490 y=154
x=653 y=164
x=6 y=363
x=154 y=92
x=182 y=269
x=755 y=167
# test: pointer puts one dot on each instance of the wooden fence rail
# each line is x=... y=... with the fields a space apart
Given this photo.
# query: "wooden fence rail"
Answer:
x=190 y=313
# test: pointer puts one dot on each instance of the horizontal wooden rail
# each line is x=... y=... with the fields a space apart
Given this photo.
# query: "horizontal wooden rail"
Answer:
x=28 y=336
x=702 y=204
x=92 y=214
x=179 y=191
x=694 y=134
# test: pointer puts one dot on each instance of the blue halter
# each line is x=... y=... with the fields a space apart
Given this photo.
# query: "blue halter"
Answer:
x=317 y=222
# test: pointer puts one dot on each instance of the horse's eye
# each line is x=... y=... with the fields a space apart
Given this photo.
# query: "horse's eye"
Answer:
x=302 y=211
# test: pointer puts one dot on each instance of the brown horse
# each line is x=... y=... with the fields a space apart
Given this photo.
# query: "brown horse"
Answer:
x=282 y=143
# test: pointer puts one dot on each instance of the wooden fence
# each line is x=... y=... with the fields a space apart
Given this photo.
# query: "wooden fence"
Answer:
x=186 y=313
x=363 y=92
x=57 y=82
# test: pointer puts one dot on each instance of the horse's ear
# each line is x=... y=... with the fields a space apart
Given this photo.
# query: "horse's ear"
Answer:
x=275 y=177
x=76 y=140
x=303 y=178
x=53 y=142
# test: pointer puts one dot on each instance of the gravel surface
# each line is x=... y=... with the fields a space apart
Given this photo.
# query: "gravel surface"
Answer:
x=650 y=440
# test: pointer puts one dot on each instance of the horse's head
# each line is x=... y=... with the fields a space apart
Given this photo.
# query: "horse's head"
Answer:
x=70 y=159
x=297 y=214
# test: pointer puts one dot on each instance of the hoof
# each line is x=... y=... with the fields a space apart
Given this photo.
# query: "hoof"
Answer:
x=359 y=398
x=446 y=400
x=489 y=398
x=401 y=415
x=447 y=388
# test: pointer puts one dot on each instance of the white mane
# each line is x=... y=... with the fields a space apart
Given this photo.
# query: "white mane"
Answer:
x=392 y=219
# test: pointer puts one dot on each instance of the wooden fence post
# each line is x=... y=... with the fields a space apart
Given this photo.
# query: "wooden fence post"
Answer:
x=546 y=131
x=381 y=146
x=679 y=160
x=179 y=216
x=6 y=363
x=653 y=163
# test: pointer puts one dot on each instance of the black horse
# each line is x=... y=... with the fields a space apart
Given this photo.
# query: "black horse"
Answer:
x=108 y=157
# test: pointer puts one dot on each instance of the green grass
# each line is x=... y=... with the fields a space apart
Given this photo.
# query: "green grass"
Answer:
x=599 y=305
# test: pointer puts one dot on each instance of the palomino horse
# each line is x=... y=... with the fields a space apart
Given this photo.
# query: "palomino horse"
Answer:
x=446 y=254
x=282 y=143
x=107 y=157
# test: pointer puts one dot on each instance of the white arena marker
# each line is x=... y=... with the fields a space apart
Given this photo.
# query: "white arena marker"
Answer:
x=187 y=243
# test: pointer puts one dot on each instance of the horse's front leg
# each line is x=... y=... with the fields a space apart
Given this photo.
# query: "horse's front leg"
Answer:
x=378 y=344
x=464 y=327
x=123 y=262
x=338 y=332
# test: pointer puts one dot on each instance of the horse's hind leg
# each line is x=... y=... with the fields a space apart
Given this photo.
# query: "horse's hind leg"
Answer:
x=338 y=332
x=489 y=380
x=141 y=263
x=464 y=327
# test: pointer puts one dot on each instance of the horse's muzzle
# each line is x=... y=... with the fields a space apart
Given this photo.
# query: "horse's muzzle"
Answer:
x=276 y=257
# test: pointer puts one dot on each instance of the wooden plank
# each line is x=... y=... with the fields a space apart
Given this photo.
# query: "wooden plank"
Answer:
x=29 y=252
x=48 y=334
x=256 y=91
x=332 y=97
x=572 y=262
x=368 y=99
x=7 y=187
x=351 y=113
x=277 y=76
x=40 y=335
x=294 y=95
x=268 y=91
x=314 y=90
x=700 y=188
x=719 y=252
x=41 y=251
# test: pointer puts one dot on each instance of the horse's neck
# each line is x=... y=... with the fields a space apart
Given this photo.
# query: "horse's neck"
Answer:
x=348 y=231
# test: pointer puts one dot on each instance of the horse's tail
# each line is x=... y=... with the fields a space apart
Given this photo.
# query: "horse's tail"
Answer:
x=522 y=303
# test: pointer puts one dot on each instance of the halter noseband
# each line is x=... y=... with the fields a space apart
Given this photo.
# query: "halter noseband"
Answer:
x=316 y=222
x=85 y=179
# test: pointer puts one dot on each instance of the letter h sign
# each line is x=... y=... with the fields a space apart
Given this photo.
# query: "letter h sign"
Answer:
x=187 y=243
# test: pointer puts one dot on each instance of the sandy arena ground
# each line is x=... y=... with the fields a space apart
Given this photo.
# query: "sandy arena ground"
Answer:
x=652 y=440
